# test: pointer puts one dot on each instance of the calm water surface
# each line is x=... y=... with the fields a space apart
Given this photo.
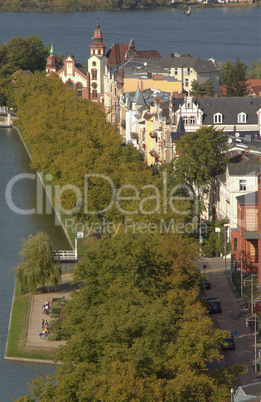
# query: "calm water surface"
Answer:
x=14 y=160
x=221 y=33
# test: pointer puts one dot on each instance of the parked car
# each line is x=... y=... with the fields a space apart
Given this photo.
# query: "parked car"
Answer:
x=211 y=298
x=228 y=342
x=214 y=306
x=206 y=284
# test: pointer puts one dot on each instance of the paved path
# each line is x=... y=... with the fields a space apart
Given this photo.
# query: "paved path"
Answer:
x=223 y=288
x=36 y=314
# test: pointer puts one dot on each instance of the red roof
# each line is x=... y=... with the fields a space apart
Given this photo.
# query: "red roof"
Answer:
x=117 y=52
x=149 y=54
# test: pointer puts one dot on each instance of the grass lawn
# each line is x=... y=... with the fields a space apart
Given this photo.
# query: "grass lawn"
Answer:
x=17 y=334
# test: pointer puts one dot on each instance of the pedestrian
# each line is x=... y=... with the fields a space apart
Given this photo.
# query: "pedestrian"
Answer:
x=43 y=324
x=46 y=324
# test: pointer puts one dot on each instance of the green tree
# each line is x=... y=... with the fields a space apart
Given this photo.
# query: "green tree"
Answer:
x=201 y=156
x=254 y=71
x=233 y=77
x=38 y=266
x=136 y=328
x=204 y=89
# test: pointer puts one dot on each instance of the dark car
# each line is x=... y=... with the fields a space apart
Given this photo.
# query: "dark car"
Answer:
x=214 y=306
x=228 y=342
x=206 y=284
x=211 y=298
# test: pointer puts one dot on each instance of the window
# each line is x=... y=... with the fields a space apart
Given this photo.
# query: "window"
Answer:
x=94 y=74
x=94 y=63
x=186 y=71
x=192 y=120
x=185 y=119
x=186 y=82
x=99 y=52
x=241 y=118
x=94 y=91
x=79 y=90
x=242 y=185
x=115 y=91
x=235 y=244
x=175 y=71
x=218 y=118
x=70 y=84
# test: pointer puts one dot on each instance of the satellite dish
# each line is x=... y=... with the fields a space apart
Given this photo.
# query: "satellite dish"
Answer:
x=145 y=64
x=237 y=135
x=229 y=140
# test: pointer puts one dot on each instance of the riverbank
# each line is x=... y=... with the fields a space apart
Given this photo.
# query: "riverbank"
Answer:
x=23 y=341
x=23 y=7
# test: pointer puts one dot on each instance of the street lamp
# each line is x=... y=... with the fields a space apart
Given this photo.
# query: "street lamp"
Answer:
x=247 y=320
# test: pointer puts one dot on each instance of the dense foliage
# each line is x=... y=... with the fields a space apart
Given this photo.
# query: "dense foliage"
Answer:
x=19 y=54
x=81 y=5
x=137 y=331
x=37 y=266
x=202 y=156
x=233 y=78
x=205 y=89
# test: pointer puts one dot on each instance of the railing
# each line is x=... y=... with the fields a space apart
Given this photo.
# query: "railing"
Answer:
x=65 y=255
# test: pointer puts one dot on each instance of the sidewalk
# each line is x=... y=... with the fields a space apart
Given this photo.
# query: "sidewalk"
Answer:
x=36 y=314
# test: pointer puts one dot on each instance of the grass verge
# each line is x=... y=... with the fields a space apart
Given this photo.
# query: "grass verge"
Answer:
x=16 y=346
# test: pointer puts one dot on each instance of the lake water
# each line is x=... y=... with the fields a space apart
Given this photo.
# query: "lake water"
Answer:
x=220 y=33
x=223 y=34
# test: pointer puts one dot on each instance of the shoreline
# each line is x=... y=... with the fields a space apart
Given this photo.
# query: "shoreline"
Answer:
x=176 y=5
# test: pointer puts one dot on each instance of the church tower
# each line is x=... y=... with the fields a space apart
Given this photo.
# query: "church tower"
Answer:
x=96 y=65
x=52 y=65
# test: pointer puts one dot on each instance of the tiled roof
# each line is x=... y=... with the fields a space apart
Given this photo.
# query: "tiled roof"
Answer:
x=148 y=54
x=116 y=54
x=199 y=65
x=248 y=165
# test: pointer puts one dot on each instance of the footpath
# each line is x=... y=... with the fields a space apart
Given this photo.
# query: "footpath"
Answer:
x=36 y=314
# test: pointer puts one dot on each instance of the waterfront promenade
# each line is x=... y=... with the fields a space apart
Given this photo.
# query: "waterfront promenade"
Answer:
x=36 y=314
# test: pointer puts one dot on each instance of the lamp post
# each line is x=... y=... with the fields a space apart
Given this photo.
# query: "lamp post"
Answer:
x=247 y=320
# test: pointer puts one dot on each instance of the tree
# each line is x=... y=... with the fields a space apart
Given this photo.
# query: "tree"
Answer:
x=37 y=266
x=233 y=77
x=136 y=328
x=204 y=89
x=201 y=156
x=254 y=71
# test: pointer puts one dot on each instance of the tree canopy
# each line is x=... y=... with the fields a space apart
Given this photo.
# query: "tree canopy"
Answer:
x=136 y=328
x=37 y=266
x=204 y=89
x=201 y=156
x=233 y=78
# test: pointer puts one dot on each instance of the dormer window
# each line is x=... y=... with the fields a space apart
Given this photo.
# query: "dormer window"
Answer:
x=242 y=117
x=218 y=118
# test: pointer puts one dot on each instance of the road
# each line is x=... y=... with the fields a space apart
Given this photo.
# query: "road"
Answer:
x=222 y=287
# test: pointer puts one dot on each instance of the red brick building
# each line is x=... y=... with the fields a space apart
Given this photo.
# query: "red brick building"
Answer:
x=246 y=237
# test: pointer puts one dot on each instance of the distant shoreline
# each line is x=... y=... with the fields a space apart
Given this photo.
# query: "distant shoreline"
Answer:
x=176 y=5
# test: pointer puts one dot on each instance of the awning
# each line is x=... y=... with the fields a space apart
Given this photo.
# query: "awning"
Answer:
x=251 y=235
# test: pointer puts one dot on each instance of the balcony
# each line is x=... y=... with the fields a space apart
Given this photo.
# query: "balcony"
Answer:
x=154 y=153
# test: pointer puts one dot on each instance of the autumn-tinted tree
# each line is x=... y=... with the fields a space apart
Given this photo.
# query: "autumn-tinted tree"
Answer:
x=137 y=330
x=37 y=266
x=233 y=78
